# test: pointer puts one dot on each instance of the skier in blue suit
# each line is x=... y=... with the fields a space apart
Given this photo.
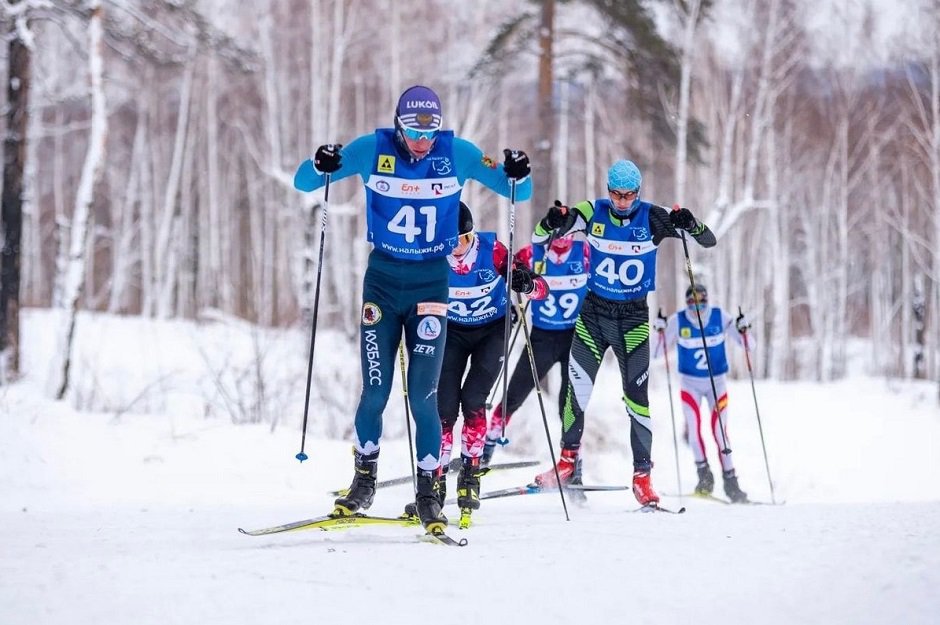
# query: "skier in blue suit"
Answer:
x=413 y=174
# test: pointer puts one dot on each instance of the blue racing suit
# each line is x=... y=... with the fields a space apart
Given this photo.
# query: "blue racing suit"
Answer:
x=412 y=209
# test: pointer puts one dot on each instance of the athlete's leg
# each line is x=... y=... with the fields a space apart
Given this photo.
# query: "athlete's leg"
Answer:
x=425 y=337
x=379 y=335
x=587 y=352
x=689 y=392
x=521 y=383
x=485 y=360
x=561 y=353
x=720 y=432
x=633 y=356
x=456 y=354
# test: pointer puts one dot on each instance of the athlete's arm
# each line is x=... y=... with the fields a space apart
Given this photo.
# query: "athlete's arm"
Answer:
x=355 y=158
x=471 y=163
x=501 y=255
x=583 y=212
x=662 y=228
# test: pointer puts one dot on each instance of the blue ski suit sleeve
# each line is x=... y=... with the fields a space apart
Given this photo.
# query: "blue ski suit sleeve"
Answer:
x=471 y=164
x=356 y=158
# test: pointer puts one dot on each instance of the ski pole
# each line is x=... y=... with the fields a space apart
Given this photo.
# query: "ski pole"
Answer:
x=499 y=376
x=507 y=326
x=404 y=392
x=760 y=428
x=672 y=410
x=316 y=307
x=539 y=268
x=701 y=326
x=538 y=394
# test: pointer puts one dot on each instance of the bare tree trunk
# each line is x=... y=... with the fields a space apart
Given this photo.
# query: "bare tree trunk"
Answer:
x=124 y=253
x=561 y=154
x=19 y=80
x=91 y=171
x=167 y=245
x=669 y=261
x=590 y=144
x=542 y=188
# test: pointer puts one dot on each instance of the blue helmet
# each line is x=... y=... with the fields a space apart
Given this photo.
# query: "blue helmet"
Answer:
x=624 y=175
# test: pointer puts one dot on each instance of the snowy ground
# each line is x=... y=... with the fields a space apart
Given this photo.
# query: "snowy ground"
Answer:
x=121 y=517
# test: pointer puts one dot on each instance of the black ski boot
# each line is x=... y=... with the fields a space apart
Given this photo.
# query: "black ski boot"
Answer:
x=428 y=501
x=468 y=484
x=732 y=490
x=575 y=495
x=706 y=481
x=489 y=448
x=362 y=490
x=441 y=487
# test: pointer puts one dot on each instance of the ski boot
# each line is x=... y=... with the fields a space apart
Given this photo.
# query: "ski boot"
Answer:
x=706 y=481
x=493 y=436
x=575 y=495
x=468 y=489
x=428 y=501
x=643 y=490
x=566 y=467
x=441 y=486
x=362 y=490
x=732 y=490
x=489 y=448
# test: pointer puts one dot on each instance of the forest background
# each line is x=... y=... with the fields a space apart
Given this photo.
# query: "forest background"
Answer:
x=149 y=149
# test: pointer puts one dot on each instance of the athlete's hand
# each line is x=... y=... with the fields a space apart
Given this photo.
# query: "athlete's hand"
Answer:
x=522 y=281
x=683 y=218
x=327 y=158
x=516 y=164
x=659 y=323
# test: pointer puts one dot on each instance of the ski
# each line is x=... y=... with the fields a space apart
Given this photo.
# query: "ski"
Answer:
x=334 y=522
x=529 y=489
x=453 y=466
x=438 y=537
x=655 y=507
x=721 y=500
x=535 y=489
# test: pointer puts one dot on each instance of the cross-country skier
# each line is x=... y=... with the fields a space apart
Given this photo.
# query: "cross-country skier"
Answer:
x=624 y=233
x=565 y=265
x=413 y=174
x=682 y=328
x=476 y=322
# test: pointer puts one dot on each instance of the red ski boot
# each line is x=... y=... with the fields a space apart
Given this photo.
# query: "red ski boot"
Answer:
x=566 y=466
x=643 y=490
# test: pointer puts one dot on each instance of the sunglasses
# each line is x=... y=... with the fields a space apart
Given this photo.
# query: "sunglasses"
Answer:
x=466 y=238
x=617 y=195
x=415 y=134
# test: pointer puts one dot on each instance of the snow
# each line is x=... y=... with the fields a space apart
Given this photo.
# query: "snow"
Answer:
x=126 y=511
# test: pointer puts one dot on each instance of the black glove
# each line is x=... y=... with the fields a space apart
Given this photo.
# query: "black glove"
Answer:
x=742 y=323
x=327 y=158
x=516 y=164
x=559 y=217
x=522 y=281
x=684 y=219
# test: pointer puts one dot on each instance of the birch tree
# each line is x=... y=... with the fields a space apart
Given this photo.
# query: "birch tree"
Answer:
x=73 y=278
